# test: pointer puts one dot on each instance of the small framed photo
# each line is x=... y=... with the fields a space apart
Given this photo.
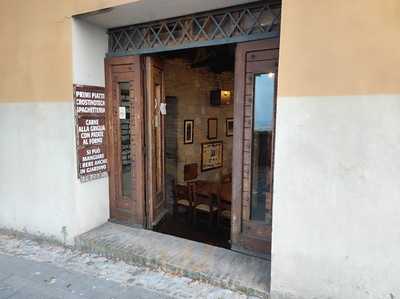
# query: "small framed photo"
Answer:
x=212 y=128
x=188 y=131
x=229 y=127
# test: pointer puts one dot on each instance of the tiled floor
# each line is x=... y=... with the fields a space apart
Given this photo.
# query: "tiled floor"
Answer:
x=179 y=225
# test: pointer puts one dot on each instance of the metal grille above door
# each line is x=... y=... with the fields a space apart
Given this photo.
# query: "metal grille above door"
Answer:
x=253 y=21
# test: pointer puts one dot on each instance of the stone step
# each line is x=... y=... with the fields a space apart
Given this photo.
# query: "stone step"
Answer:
x=217 y=266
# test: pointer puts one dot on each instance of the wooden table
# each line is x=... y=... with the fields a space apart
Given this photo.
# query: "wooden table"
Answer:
x=209 y=188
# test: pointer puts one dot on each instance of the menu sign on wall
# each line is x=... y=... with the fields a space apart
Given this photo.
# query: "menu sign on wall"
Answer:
x=90 y=117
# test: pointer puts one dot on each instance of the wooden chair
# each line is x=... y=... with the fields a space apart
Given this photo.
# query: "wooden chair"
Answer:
x=182 y=198
x=203 y=201
x=226 y=178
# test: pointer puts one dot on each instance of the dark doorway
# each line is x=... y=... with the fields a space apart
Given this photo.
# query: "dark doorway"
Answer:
x=199 y=88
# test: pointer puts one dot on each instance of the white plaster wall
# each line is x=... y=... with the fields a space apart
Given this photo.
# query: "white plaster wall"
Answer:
x=336 y=214
x=89 y=46
x=37 y=169
x=39 y=189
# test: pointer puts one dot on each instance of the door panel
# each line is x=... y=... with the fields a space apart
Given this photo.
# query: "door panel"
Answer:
x=255 y=101
x=156 y=200
x=125 y=139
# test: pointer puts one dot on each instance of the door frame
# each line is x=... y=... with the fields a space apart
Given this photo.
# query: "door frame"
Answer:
x=141 y=85
x=241 y=202
x=150 y=62
x=123 y=69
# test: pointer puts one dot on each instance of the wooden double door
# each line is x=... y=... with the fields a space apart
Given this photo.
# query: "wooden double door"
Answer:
x=135 y=93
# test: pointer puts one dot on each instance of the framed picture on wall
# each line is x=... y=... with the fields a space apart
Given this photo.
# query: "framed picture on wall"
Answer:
x=188 y=131
x=229 y=127
x=211 y=155
x=212 y=128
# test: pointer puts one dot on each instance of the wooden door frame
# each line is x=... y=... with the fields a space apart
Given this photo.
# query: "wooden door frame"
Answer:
x=239 y=203
x=120 y=69
x=150 y=62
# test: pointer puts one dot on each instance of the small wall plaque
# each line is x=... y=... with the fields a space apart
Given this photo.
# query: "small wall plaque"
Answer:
x=122 y=112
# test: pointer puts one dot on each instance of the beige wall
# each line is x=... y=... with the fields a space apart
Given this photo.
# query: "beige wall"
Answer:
x=36 y=50
x=327 y=47
x=339 y=47
x=35 y=60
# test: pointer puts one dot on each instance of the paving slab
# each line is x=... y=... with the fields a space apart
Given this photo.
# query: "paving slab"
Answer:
x=89 y=274
x=218 y=266
x=33 y=279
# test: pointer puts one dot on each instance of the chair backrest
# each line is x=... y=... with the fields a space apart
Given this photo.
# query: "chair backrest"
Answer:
x=180 y=191
x=191 y=187
x=225 y=191
x=226 y=178
x=199 y=192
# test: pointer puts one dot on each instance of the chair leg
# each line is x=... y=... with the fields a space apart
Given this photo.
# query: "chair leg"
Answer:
x=194 y=217
x=186 y=215
x=174 y=210
x=218 y=220
x=210 y=220
x=190 y=215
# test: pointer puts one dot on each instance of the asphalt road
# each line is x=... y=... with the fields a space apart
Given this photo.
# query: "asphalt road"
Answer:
x=22 y=278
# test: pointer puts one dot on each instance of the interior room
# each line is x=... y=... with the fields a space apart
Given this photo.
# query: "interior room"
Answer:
x=199 y=88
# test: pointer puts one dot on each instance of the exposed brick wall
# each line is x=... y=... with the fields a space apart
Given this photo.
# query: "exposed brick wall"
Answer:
x=192 y=88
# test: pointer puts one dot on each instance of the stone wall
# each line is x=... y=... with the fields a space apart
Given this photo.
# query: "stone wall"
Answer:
x=191 y=87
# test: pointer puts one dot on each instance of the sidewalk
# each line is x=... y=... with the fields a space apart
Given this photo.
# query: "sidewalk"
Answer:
x=21 y=278
x=32 y=270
